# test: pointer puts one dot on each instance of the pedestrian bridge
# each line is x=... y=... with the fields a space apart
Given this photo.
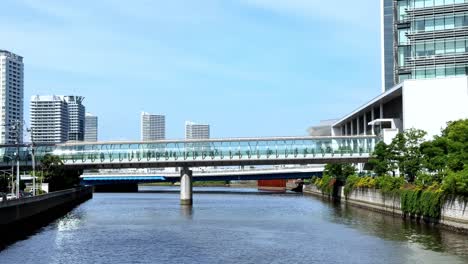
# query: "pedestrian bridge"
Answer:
x=200 y=153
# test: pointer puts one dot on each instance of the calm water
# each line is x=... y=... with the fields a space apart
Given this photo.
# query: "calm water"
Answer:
x=232 y=228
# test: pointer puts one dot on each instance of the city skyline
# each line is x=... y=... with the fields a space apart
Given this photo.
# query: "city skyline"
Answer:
x=239 y=83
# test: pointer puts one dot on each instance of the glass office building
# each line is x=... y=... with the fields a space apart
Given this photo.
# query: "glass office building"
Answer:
x=429 y=39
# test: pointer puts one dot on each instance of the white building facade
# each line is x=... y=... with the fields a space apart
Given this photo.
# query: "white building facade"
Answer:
x=49 y=119
x=91 y=128
x=152 y=127
x=196 y=131
x=11 y=96
x=422 y=104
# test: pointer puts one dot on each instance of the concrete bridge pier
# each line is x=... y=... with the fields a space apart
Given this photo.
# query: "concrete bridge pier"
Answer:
x=186 y=187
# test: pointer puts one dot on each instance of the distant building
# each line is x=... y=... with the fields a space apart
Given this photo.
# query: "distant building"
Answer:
x=323 y=128
x=49 y=119
x=91 y=128
x=196 y=131
x=423 y=39
x=153 y=127
x=76 y=115
x=11 y=96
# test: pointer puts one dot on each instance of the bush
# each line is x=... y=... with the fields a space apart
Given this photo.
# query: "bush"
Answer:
x=325 y=184
x=419 y=202
x=456 y=183
x=389 y=184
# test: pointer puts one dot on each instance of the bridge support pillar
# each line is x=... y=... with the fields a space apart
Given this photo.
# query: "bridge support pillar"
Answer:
x=186 y=187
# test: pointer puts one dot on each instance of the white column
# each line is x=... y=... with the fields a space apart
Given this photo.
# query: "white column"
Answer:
x=381 y=110
x=365 y=123
x=358 y=129
x=352 y=127
x=186 y=187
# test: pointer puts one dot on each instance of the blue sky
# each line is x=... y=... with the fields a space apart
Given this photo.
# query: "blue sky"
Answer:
x=247 y=67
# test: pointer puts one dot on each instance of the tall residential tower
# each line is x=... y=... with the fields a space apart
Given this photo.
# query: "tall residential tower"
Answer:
x=76 y=115
x=196 y=131
x=91 y=128
x=49 y=119
x=153 y=127
x=423 y=39
x=11 y=96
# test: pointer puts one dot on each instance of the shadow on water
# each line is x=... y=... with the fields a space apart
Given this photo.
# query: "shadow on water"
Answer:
x=24 y=229
x=395 y=228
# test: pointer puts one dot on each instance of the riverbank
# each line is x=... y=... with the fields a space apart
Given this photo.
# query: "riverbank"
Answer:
x=454 y=213
x=21 y=217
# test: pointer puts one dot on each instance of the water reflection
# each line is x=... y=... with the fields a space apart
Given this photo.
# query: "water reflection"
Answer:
x=394 y=228
x=186 y=211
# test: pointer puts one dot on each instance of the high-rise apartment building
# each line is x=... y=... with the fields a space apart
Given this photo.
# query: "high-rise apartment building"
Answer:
x=91 y=128
x=11 y=95
x=49 y=119
x=76 y=115
x=153 y=127
x=196 y=131
x=423 y=39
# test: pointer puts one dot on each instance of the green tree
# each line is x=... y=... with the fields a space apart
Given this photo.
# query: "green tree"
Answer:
x=406 y=148
x=435 y=154
x=382 y=160
x=456 y=135
x=339 y=171
x=56 y=175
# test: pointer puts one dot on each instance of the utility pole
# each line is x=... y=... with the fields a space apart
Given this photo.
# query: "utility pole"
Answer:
x=33 y=169
x=16 y=129
x=33 y=162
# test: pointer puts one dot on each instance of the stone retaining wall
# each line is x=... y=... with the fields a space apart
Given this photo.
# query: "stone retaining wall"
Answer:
x=454 y=211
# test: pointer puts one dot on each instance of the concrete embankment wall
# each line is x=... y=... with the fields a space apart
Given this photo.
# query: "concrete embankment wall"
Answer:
x=14 y=212
x=454 y=211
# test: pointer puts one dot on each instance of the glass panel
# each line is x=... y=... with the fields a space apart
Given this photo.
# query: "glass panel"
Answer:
x=420 y=73
x=460 y=46
x=420 y=50
x=450 y=46
x=440 y=71
x=460 y=70
x=429 y=3
x=430 y=49
x=439 y=23
x=459 y=21
x=450 y=71
x=439 y=47
x=429 y=26
x=449 y=22
x=420 y=25
x=402 y=38
x=438 y=2
x=430 y=73
x=418 y=3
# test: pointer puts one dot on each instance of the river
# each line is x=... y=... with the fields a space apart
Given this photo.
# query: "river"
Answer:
x=231 y=226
